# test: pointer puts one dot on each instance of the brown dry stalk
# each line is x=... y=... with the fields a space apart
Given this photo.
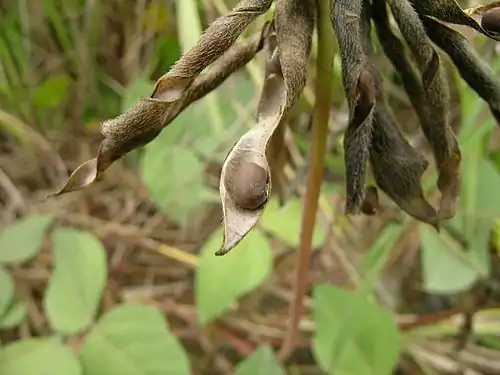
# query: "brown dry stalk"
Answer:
x=321 y=115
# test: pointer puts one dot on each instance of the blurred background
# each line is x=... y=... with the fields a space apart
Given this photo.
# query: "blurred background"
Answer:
x=89 y=279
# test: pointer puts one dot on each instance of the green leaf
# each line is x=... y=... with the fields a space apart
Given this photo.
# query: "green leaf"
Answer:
x=285 y=223
x=6 y=290
x=262 y=361
x=133 y=340
x=481 y=206
x=376 y=257
x=22 y=240
x=38 y=357
x=77 y=281
x=15 y=315
x=168 y=50
x=189 y=30
x=191 y=128
x=201 y=138
x=370 y=343
x=470 y=109
x=141 y=87
x=51 y=92
x=174 y=177
x=220 y=281
x=446 y=267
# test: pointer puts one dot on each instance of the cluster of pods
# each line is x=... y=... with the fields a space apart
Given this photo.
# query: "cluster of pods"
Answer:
x=410 y=33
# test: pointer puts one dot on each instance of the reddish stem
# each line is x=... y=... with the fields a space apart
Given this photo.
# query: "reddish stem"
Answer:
x=321 y=114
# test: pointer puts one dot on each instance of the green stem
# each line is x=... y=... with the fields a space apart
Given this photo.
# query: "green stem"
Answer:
x=321 y=114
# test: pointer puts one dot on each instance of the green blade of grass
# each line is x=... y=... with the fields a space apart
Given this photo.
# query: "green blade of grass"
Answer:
x=189 y=29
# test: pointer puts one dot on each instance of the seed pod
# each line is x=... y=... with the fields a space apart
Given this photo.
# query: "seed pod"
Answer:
x=246 y=177
x=435 y=124
x=360 y=94
x=396 y=165
x=475 y=71
x=449 y=11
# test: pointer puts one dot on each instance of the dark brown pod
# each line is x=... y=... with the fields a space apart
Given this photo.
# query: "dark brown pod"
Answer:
x=247 y=184
x=490 y=21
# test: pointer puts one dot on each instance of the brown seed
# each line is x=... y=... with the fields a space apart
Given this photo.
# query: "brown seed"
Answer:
x=491 y=21
x=248 y=185
x=370 y=204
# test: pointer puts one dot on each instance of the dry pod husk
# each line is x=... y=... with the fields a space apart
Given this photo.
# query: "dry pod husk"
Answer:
x=473 y=70
x=397 y=167
x=360 y=93
x=246 y=176
x=435 y=124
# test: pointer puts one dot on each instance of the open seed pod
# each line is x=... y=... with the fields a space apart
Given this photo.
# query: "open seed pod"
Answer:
x=246 y=177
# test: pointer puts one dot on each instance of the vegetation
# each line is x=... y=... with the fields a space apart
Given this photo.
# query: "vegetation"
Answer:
x=296 y=111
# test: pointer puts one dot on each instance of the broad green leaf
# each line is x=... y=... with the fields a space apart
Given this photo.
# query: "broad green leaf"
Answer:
x=221 y=280
x=51 y=92
x=6 y=290
x=174 y=177
x=481 y=207
x=262 y=361
x=133 y=340
x=371 y=344
x=285 y=223
x=21 y=240
x=141 y=87
x=191 y=128
x=38 y=357
x=168 y=50
x=376 y=257
x=15 y=315
x=77 y=281
x=470 y=109
x=446 y=267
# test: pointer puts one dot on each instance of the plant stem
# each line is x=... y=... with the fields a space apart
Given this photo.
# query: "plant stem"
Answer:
x=321 y=114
